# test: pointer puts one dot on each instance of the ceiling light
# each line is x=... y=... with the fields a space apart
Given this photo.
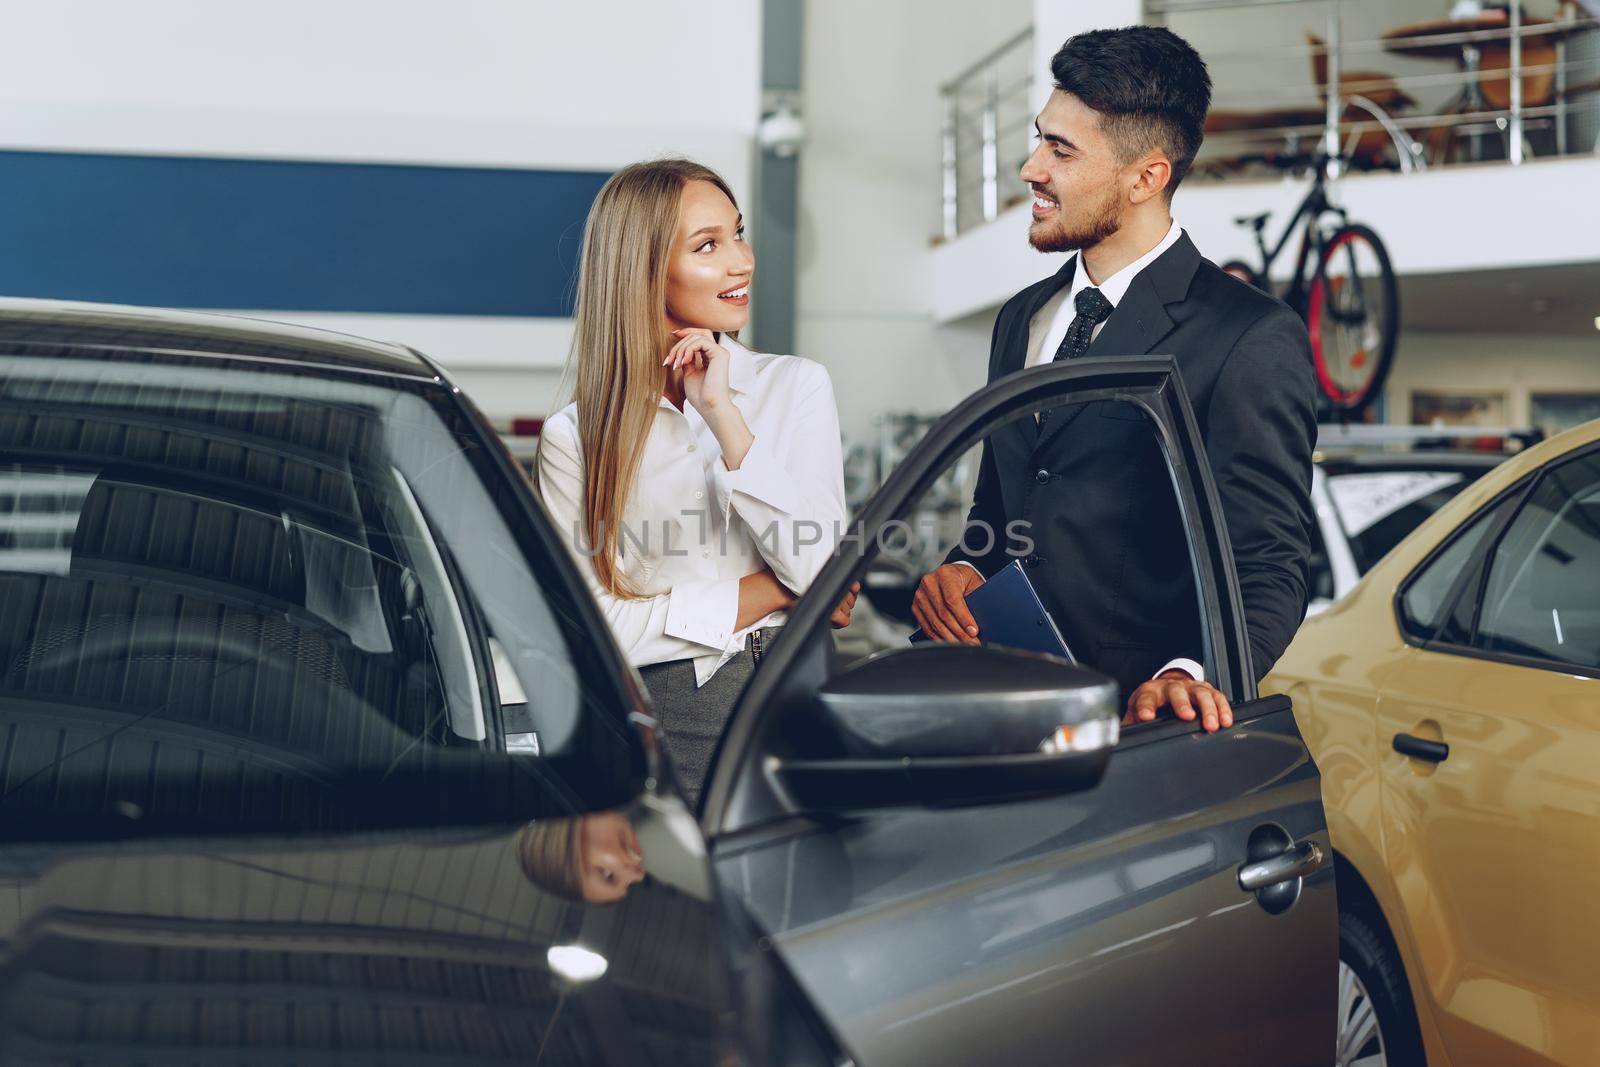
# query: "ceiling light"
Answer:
x=576 y=963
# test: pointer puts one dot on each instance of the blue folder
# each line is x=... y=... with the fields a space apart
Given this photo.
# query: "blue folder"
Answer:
x=1008 y=612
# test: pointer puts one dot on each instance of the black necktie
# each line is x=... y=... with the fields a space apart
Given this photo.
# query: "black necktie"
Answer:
x=1093 y=309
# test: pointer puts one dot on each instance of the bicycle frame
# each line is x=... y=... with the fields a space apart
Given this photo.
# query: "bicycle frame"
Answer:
x=1311 y=209
x=1343 y=300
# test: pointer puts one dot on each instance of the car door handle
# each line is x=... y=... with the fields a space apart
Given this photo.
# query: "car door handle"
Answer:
x=1421 y=748
x=1300 y=860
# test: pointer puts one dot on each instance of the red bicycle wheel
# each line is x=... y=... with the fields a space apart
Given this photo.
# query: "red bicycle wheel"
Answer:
x=1353 y=317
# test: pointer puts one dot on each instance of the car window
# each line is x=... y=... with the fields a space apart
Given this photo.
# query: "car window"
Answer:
x=1378 y=509
x=1425 y=601
x=224 y=584
x=1542 y=597
x=1141 y=611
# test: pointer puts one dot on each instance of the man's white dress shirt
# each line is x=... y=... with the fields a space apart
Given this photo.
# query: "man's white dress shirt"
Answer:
x=1051 y=322
x=692 y=528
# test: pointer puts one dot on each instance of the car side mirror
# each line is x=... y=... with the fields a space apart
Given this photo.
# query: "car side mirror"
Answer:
x=946 y=725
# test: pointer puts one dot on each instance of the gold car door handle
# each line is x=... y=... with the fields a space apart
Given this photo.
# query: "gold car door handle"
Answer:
x=1300 y=860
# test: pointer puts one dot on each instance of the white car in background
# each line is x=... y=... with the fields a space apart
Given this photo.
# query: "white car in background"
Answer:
x=1368 y=495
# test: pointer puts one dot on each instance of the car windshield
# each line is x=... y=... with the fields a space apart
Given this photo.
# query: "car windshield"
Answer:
x=1379 y=508
x=281 y=595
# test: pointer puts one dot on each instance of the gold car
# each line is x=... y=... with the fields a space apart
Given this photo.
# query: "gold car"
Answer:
x=1452 y=703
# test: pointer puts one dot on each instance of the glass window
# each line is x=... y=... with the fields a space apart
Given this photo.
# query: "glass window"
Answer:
x=1378 y=509
x=270 y=596
x=1556 y=412
x=1542 y=598
x=1458 y=409
x=1426 y=597
x=1139 y=610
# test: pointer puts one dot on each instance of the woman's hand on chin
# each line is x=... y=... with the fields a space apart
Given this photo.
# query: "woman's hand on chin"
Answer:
x=705 y=369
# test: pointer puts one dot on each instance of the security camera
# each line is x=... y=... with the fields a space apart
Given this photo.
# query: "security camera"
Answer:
x=782 y=131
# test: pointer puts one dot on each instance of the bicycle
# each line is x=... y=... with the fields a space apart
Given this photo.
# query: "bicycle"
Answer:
x=1343 y=288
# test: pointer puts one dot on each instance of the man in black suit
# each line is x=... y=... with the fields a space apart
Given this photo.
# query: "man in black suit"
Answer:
x=1111 y=559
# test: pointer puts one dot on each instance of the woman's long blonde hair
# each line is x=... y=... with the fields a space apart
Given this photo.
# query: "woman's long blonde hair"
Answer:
x=621 y=338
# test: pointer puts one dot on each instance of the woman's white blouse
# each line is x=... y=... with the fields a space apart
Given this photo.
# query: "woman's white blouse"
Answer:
x=692 y=528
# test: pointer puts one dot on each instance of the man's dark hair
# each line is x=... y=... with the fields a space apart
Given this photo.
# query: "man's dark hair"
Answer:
x=1149 y=86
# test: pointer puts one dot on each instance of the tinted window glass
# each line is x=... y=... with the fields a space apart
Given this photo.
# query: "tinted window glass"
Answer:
x=1425 y=601
x=1142 y=609
x=238 y=594
x=1542 y=598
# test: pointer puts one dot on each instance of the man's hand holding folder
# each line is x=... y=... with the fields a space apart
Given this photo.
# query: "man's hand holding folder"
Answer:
x=1006 y=610
x=940 y=604
x=941 y=607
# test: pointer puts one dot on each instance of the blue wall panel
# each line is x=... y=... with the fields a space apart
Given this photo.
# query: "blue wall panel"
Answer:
x=228 y=233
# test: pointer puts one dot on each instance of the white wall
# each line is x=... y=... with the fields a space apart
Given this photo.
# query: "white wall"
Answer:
x=868 y=192
x=1055 y=21
x=516 y=83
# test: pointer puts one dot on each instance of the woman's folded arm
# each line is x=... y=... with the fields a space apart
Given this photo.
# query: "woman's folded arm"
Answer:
x=693 y=619
x=789 y=489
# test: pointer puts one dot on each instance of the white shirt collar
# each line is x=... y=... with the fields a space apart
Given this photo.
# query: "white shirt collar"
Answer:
x=1115 y=287
x=741 y=364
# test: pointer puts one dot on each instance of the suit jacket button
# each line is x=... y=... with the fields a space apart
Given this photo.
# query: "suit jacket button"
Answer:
x=1041 y=476
x=1030 y=561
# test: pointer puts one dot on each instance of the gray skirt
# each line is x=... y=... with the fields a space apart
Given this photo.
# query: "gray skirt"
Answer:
x=692 y=717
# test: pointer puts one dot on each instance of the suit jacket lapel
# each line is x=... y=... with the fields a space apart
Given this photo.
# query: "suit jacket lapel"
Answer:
x=1140 y=320
x=1014 y=342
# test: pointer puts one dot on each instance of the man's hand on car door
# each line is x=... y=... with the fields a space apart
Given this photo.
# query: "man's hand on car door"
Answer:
x=1186 y=697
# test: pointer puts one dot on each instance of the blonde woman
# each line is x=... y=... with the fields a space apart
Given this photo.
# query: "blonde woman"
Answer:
x=700 y=484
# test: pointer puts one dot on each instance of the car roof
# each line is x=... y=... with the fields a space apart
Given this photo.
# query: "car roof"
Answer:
x=122 y=327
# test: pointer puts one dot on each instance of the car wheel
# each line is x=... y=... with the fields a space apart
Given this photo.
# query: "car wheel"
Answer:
x=1377 y=1024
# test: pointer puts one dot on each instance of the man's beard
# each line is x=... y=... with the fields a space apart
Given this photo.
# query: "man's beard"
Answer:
x=1062 y=236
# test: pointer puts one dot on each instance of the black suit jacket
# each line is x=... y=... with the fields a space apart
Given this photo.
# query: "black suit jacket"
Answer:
x=1110 y=557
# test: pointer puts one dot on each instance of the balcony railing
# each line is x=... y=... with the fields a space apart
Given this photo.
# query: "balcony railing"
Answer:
x=988 y=127
x=1477 y=84
x=1523 y=86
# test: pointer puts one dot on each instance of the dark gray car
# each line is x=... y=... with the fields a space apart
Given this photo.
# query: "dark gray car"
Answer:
x=314 y=747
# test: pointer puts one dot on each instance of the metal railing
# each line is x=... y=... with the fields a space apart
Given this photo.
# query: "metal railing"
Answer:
x=1524 y=72
x=988 y=124
x=1526 y=84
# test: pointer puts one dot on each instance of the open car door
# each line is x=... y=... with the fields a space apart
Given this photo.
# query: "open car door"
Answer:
x=960 y=855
